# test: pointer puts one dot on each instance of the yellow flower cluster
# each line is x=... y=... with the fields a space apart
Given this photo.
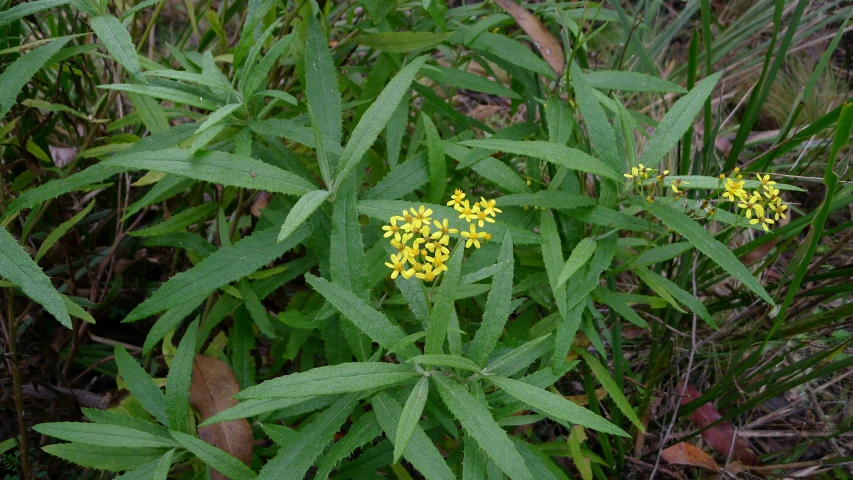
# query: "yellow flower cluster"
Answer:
x=757 y=205
x=423 y=244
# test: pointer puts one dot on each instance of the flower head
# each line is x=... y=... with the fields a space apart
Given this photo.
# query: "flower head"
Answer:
x=427 y=274
x=391 y=229
x=473 y=237
x=456 y=198
x=443 y=228
x=398 y=265
x=468 y=212
x=489 y=207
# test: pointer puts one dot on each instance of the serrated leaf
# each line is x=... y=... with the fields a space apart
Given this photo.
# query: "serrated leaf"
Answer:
x=117 y=39
x=405 y=178
x=401 y=42
x=620 y=306
x=179 y=379
x=178 y=222
x=420 y=450
x=506 y=49
x=580 y=255
x=165 y=93
x=24 y=9
x=102 y=435
x=410 y=417
x=256 y=309
x=220 y=115
x=372 y=323
x=305 y=206
x=16 y=75
x=500 y=174
x=216 y=167
x=293 y=462
x=161 y=471
x=363 y=430
x=375 y=118
x=678 y=120
x=479 y=424
x=518 y=358
x=686 y=298
x=321 y=86
x=112 y=459
x=329 y=380
x=75 y=310
x=444 y=360
x=17 y=267
x=469 y=81
x=555 y=406
x=224 y=266
x=550 y=152
x=108 y=417
x=554 y=199
x=444 y=305
x=598 y=128
x=701 y=182
x=705 y=243
x=216 y=458
x=251 y=408
x=498 y=308
x=630 y=82
x=610 y=386
x=141 y=386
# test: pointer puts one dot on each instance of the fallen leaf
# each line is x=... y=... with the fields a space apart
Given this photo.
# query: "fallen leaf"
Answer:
x=547 y=44
x=260 y=203
x=721 y=437
x=687 y=454
x=212 y=389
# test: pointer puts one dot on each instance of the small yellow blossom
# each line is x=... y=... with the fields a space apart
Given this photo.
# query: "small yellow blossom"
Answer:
x=398 y=265
x=771 y=193
x=473 y=237
x=635 y=173
x=422 y=214
x=399 y=242
x=457 y=198
x=439 y=244
x=482 y=218
x=443 y=228
x=764 y=221
x=427 y=274
x=778 y=208
x=486 y=236
x=467 y=212
x=752 y=205
x=391 y=229
x=734 y=190
x=765 y=181
x=438 y=261
x=489 y=207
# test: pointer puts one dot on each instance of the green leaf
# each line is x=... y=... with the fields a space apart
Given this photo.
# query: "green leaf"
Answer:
x=224 y=266
x=404 y=179
x=220 y=115
x=658 y=282
x=164 y=93
x=216 y=167
x=112 y=459
x=76 y=311
x=420 y=451
x=251 y=408
x=363 y=430
x=305 y=206
x=24 y=9
x=117 y=39
x=293 y=462
x=333 y=379
x=101 y=435
x=216 y=458
x=479 y=424
x=688 y=182
x=444 y=360
x=578 y=258
x=555 y=406
x=16 y=75
x=141 y=386
x=321 y=85
x=603 y=375
x=469 y=81
x=678 y=120
x=631 y=82
x=518 y=358
x=598 y=128
x=705 y=243
x=374 y=324
x=161 y=471
x=444 y=305
x=498 y=308
x=615 y=301
x=401 y=42
x=501 y=174
x=178 y=222
x=437 y=164
x=410 y=416
x=61 y=230
x=256 y=309
x=507 y=50
x=179 y=378
x=551 y=152
x=17 y=267
x=375 y=118
x=554 y=199
x=108 y=417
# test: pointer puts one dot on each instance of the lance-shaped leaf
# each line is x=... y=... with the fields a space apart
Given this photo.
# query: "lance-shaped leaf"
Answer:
x=15 y=76
x=410 y=416
x=498 y=308
x=603 y=376
x=218 y=459
x=141 y=386
x=102 y=435
x=112 y=459
x=444 y=306
x=321 y=84
x=179 y=379
x=305 y=206
x=116 y=38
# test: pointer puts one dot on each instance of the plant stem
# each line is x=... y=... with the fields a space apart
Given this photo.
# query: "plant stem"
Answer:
x=12 y=342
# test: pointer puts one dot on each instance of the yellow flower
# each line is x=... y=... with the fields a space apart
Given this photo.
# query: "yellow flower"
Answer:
x=391 y=229
x=764 y=221
x=438 y=261
x=457 y=198
x=778 y=208
x=398 y=265
x=439 y=244
x=482 y=217
x=412 y=253
x=427 y=274
x=734 y=190
x=443 y=228
x=467 y=212
x=486 y=236
x=422 y=214
x=489 y=206
x=635 y=173
x=399 y=242
x=771 y=192
x=752 y=205
x=765 y=181
x=473 y=237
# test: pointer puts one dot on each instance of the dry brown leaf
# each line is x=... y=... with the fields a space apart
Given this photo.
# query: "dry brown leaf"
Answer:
x=547 y=44
x=583 y=400
x=687 y=454
x=213 y=386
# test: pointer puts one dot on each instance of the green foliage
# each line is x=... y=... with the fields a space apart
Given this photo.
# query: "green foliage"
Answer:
x=260 y=168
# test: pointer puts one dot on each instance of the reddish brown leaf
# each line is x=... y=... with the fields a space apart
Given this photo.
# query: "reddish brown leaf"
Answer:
x=686 y=454
x=721 y=437
x=547 y=44
x=213 y=386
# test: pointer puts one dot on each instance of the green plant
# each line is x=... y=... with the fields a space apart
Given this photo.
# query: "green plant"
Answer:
x=279 y=163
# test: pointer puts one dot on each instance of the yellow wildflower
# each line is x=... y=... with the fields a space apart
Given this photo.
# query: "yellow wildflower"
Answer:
x=489 y=206
x=467 y=212
x=391 y=229
x=422 y=214
x=771 y=192
x=765 y=181
x=427 y=274
x=443 y=228
x=438 y=261
x=398 y=265
x=482 y=217
x=764 y=221
x=399 y=242
x=635 y=173
x=457 y=199
x=752 y=205
x=486 y=236
x=473 y=237
x=439 y=244
x=734 y=190
x=778 y=208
